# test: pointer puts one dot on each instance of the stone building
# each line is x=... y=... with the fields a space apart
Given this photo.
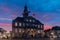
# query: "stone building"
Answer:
x=26 y=26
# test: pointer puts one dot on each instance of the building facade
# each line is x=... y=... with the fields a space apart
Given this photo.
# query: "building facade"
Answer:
x=26 y=26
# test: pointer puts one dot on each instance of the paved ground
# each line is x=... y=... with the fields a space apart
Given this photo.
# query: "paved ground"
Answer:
x=34 y=39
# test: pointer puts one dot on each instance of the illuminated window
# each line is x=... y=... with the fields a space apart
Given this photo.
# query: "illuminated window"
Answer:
x=33 y=20
x=16 y=24
x=30 y=20
x=19 y=24
x=22 y=30
x=13 y=35
x=33 y=25
x=41 y=26
x=38 y=26
x=23 y=24
x=27 y=24
x=19 y=30
x=28 y=30
x=38 y=31
x=16 y=30
x=31 y=29
x=27 y=20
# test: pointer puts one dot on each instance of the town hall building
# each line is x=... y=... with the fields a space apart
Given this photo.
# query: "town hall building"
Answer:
x=26 y=26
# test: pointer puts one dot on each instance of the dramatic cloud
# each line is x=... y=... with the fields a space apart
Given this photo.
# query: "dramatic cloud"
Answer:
x=47 y=27
x=6 y=26
x=46 y=11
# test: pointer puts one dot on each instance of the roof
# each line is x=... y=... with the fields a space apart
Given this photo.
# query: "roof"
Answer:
x=2 y=30
x=21 y=19
x=56 y=28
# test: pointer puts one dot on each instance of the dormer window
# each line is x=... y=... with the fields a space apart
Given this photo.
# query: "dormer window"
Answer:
x=19 y=24
x=16 y=24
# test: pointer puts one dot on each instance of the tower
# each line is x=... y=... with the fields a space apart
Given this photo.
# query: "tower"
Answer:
x=25 y=12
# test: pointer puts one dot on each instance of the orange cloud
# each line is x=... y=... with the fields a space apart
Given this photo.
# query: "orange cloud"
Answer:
x=47 y=27
x=5 y=24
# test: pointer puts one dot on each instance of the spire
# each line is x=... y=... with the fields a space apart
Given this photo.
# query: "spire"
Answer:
x=25 y=12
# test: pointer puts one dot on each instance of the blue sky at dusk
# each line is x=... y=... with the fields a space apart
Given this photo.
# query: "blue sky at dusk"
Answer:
x=47 y=11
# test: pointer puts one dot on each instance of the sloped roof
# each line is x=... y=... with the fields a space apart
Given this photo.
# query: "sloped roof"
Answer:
x=56 y=28
x=19 y=19
x=29 y=17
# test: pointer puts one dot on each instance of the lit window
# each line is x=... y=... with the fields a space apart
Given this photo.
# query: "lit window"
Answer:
x=33 y=20
x=23 y=24
x=28 y=30
x=31 y=29
x=30 y=20
x=16 y=24
x=19 y=24
x=16 y=30
x=41 y=26
x=13 y=35
x=27 y=24
x=38 y=31
x=19 y=30
x=27 y=20
x=38 y=26
x=22 y=30
x=33 y=25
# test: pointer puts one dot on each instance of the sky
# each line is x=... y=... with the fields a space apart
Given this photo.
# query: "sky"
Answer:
x=46 y=11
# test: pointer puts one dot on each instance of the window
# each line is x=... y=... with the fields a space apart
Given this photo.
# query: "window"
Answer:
x=30 y=20
x=13 y=35
x=16 y=24
x=31 y=29
x=19 y=30
x=33 y=20
x=27 y=20
x=22 y=30
x=16 y=30
x=35 y=25
x=38 y=31
x=27 y=24
x=38 y=26
x=19 y=24
x=23 y=24
x=41 y=26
